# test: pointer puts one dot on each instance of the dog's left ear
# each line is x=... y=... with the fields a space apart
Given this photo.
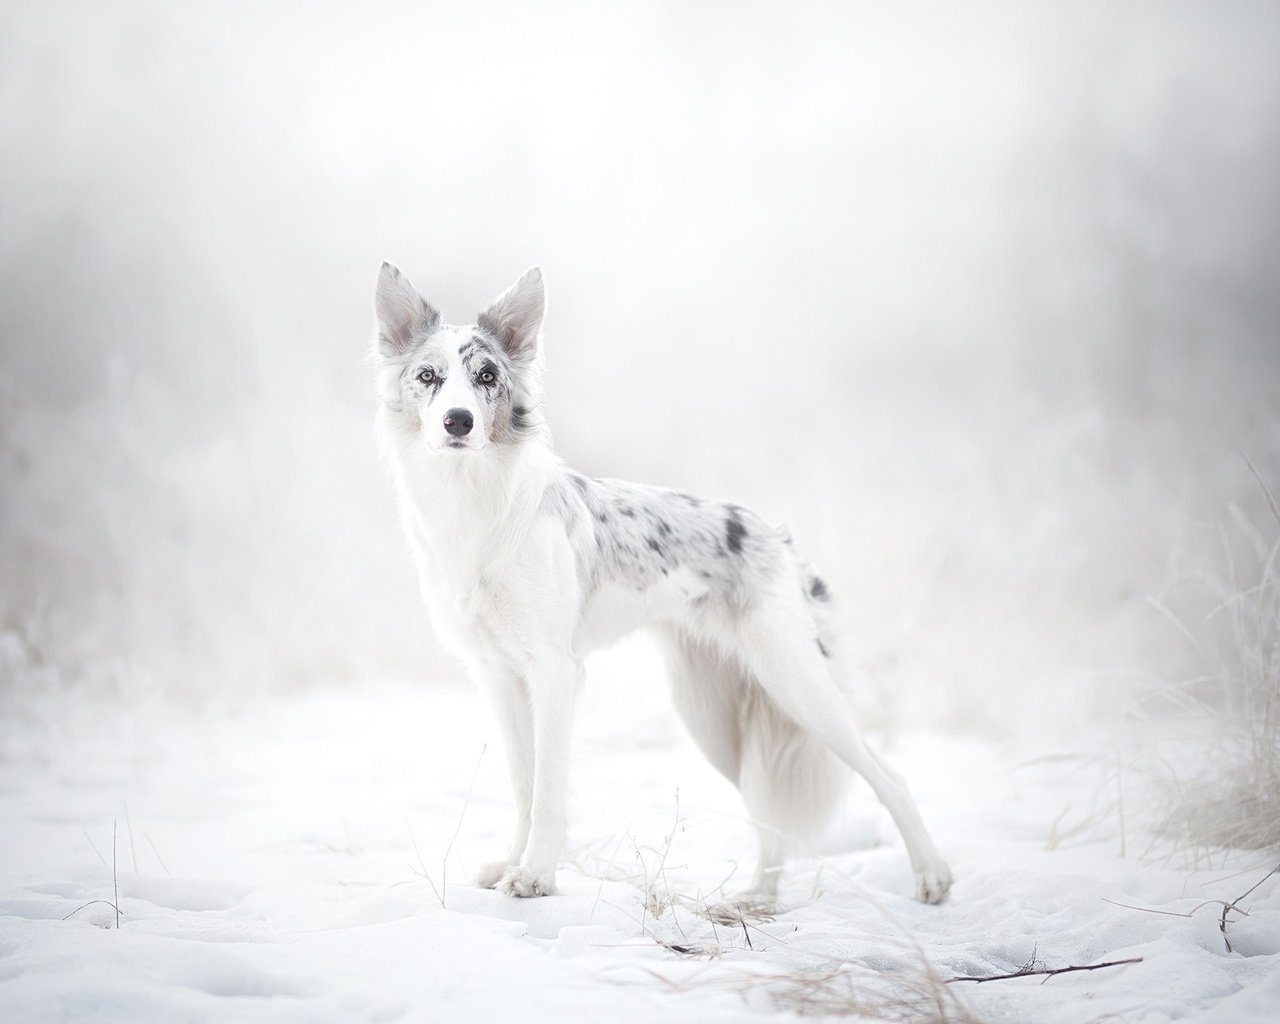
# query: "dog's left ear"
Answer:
x=515 y=316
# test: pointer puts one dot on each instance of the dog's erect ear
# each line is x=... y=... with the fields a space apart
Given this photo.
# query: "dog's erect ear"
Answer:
x=402 y=312
x=515 y=316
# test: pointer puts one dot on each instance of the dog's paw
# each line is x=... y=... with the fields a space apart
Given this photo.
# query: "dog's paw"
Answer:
x=523 y=882
x=933 y=882
x=491 y=874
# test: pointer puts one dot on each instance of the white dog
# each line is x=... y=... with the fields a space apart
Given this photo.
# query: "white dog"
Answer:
x=526 y=566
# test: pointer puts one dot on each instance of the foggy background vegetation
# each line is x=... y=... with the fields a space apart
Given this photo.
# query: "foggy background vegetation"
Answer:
x=981 y=299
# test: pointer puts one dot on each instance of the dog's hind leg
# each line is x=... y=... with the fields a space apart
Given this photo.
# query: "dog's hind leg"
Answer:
x=789 y=781
x=794 y=671
x=509 y=698
x=707 y=693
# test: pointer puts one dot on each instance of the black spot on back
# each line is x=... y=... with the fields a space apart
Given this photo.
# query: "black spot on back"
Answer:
x=654 y=545
x=818 y=589
x=580 y=482
x=734 y=531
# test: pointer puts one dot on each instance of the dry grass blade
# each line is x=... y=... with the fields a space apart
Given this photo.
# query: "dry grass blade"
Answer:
x=1271 y=501
x=906 y=998
x=1227 y=794
x=115 y=885
x=444 y=860
x=1227 y=907
x=735 y=914
x=1233 y=905
x=442 y=893
x=849 y=990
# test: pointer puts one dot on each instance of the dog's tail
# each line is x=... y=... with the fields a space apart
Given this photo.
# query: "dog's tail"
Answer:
x=789 y=780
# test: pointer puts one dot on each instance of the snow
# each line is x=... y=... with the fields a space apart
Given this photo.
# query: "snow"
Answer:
x=284 y=858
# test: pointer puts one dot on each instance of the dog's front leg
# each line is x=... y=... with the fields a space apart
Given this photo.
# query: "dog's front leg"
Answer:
x=553 y=681
x=509 y=697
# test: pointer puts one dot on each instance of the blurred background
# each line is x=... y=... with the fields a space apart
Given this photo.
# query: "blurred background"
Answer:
x=982 y=300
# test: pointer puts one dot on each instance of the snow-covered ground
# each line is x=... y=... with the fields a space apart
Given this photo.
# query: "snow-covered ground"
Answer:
x=285 y=859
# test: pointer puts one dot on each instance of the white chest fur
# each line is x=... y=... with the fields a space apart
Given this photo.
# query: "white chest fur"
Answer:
x=497 y=578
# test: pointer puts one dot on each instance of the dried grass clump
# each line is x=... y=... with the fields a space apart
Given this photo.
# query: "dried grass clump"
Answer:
x=1222 y=776
x=912 y=997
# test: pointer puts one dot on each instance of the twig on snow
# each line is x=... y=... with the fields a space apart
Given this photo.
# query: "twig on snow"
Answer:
x=1048 y=972
x=115 y=885
x=151 y=843
x=1226 y=905
x=89 y=904
x=442 y=893
x=422 y=867
x=444 y=861
x=89 y=839
x=1222 y=921
x=128 y=824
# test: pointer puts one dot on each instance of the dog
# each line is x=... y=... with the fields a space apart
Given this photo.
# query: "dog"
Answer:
x=526 y=566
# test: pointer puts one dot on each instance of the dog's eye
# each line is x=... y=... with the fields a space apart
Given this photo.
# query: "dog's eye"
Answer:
x=427 y=375
x=487 y=377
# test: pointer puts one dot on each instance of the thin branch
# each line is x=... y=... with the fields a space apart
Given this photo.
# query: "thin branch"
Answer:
x=115 y=885
x=1257 y=883
x=1275 y=511
x=1227 y=907
x=666 y=851
x=421 y=865
x=1181 y=628
x=1049 y=973
x=604 y=877
x=443 y=891
x=128 y=824
x=151 y=843
x=444 y=861
x=89 y=904
x=1168 y=913
x=89 y=838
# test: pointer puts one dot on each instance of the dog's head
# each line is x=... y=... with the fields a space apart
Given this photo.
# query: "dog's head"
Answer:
x=459 y=389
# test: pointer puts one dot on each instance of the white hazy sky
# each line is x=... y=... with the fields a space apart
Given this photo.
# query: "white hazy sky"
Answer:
x=982 y=299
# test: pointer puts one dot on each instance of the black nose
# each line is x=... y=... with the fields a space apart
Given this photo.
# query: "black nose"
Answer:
x=458 y=422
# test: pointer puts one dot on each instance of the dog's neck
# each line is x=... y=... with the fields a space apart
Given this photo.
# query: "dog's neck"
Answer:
x=453 y=495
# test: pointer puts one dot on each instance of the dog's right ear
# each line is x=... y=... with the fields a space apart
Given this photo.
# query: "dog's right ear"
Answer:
x=402 y=313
